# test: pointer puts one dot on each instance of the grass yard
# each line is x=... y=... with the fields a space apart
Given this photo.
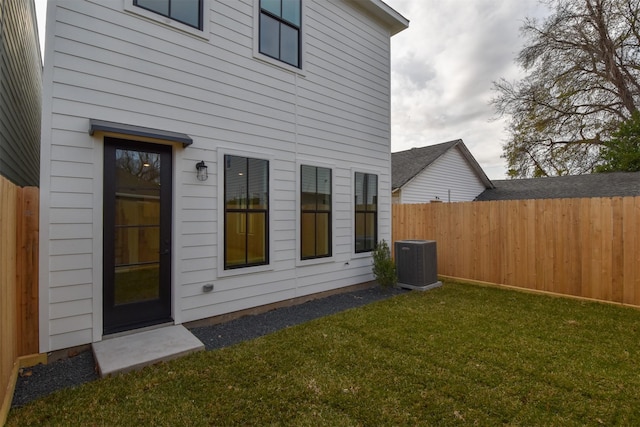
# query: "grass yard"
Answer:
x=456 y=355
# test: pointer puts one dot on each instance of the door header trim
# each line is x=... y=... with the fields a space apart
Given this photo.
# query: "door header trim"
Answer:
x=126 y=129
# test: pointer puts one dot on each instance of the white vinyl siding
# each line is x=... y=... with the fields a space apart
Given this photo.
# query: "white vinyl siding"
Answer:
x=20 y=92
x=109 y=64
x=449 y=178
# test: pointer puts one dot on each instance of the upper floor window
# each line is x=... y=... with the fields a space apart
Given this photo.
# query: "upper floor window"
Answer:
x=188 y=12
x=246 y=212
x=280 y=30
x=315 y=210
x=366 y=210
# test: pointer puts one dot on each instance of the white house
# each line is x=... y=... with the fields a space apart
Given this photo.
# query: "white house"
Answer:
x=284 y=107
x=445 y=172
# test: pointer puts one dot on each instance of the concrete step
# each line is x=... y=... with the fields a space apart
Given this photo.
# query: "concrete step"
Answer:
x=132 y=352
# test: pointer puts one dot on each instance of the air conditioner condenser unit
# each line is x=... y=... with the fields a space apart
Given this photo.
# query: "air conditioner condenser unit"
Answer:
x=417 y=264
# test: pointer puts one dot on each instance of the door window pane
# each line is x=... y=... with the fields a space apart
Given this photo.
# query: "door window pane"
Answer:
x=137 y=210
x=136 y=284
x=134 y=245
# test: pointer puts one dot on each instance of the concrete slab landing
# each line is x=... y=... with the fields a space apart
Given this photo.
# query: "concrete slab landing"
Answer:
x=135 y=351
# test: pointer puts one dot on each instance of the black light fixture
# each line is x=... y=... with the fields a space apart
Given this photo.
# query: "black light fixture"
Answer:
x=202 y=173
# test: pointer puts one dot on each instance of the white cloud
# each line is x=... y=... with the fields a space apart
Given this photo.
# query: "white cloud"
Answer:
x=442 y=69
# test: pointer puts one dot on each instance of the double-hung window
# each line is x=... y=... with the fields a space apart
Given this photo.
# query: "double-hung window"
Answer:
x=280 y=27
x=366 y=211
x=315 y=211
x=246 y=212
x=188 y=12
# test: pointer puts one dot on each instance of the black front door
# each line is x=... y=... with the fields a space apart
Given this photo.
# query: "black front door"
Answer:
x=137 y=235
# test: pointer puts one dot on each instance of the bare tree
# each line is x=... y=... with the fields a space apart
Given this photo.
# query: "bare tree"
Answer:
x=582 y=68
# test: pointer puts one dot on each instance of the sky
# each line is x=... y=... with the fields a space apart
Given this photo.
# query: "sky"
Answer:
x=442 y=69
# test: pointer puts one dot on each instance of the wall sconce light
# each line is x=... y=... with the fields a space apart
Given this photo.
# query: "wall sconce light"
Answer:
x=201 y=173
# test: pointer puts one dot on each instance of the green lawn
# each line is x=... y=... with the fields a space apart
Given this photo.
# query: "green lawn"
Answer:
x=456 y=355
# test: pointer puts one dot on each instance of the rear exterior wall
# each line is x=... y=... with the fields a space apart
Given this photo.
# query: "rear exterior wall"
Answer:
x=108 y=63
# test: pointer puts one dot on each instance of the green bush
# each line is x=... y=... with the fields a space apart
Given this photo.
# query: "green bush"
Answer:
x=384 y=268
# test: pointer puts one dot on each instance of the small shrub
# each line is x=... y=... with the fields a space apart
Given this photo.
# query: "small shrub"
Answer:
x=384 y=268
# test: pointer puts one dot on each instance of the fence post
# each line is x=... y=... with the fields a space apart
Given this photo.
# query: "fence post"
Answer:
x=27 y=271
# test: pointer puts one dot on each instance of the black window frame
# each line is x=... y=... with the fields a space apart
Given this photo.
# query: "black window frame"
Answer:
x=365 y=211
x=246 y=210
x=317 y=211
x=200 y=13
x=281 y=22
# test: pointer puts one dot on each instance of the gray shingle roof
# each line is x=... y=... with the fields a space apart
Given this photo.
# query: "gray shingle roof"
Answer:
x=573 y=186
x=405 y=165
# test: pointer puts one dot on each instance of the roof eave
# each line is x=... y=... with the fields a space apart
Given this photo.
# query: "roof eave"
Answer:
x=393 y=20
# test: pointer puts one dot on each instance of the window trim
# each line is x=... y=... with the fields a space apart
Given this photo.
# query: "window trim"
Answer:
x=301 y=70
x=354 y=253
x=220 y=171
x=202 y=33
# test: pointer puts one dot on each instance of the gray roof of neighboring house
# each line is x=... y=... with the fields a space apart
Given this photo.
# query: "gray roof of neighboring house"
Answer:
x=405 y=165
x=572 y=186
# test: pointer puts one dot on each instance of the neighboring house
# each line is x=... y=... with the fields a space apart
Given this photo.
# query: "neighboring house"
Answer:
x=610 y=184
x=444 y=172
x=282 y=108
x=20 y=92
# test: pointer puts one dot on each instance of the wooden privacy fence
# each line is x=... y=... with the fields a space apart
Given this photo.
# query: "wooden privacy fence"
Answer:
x=18 y=282
x=582 y=247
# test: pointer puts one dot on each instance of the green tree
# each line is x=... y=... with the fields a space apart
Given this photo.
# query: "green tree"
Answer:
x=582 y=67
x=622 y=152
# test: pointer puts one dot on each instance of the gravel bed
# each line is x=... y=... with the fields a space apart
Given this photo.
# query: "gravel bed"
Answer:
x=41 y=380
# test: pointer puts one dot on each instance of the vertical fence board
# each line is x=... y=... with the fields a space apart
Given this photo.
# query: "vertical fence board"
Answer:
x=582 y=247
